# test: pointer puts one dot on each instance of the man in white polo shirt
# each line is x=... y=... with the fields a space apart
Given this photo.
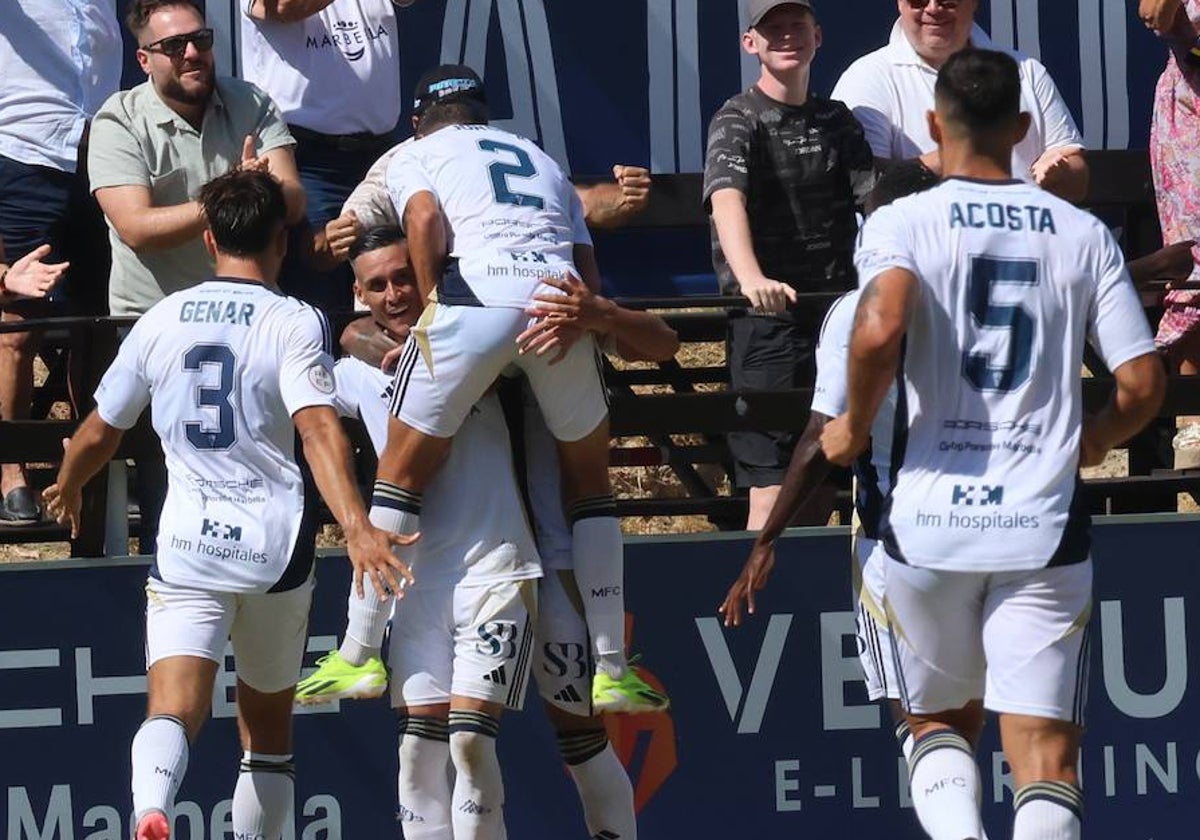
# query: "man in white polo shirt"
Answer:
x=890 y=91
x=333 y=67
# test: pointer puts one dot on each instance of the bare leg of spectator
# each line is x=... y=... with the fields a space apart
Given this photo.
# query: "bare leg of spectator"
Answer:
x=17 y=350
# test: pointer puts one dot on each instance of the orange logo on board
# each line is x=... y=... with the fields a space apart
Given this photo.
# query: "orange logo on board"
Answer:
x=645 y=743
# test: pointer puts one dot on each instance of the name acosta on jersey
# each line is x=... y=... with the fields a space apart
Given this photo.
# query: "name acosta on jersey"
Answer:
x=1002 y=216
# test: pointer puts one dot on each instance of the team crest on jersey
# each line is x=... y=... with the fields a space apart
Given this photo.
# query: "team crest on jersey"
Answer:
x=321 y=378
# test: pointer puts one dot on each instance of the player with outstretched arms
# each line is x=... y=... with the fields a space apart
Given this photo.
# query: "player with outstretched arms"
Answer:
x=233 y=370
x=489 y=218
x=977 y=299
x=872 y=476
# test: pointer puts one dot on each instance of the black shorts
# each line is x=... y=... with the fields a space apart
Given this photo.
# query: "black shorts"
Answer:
x=768 y=353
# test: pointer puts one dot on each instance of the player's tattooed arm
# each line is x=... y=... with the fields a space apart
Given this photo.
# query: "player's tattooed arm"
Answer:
x=93 y=445
x=368 y=342
x=807 y=471
x=614 y=203
x=880 y=322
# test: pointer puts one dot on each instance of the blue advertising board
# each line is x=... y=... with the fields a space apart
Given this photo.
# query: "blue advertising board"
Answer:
x=769 y=734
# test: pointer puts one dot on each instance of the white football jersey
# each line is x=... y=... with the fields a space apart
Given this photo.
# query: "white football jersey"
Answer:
x=473 y=526
x=873 y=469
x=1012 y=282
x=513 y=216
x=224 y=366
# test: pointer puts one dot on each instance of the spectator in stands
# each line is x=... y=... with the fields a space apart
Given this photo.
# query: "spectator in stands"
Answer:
x=890 y=91
x=784 y=173
x=58 y=62
x=155 y=146
x=333 y=67
x=1174 y=135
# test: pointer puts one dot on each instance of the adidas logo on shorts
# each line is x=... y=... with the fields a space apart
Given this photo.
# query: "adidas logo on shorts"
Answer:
x=497 y=676
x=570 y=695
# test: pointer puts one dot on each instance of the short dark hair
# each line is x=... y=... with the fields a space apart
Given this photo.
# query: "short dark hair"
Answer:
x=902 y=178
x=376 y=237
x=979 y=90
x=459 y=112
x=140 y=10
x=245 y=210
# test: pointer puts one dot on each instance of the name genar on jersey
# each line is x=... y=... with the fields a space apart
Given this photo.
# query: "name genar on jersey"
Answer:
x=1012 y=282
x=224 y=366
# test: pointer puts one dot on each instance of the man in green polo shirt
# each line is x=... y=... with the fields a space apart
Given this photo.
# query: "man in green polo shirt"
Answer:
x=154 y=147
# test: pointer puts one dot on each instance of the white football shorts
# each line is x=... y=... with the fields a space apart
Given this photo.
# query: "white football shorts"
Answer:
x=269 y=630
x=456 y=353
x=469 y=641
x=562 y=662
x=1018 y=640
x=874 y=638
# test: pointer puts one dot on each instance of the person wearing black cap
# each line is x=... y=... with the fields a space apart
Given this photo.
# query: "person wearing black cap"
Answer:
x=784 y=172
x=491 y=222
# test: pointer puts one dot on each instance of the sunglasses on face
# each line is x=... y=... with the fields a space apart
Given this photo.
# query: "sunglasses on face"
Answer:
x=173 y=46
x=948 y=5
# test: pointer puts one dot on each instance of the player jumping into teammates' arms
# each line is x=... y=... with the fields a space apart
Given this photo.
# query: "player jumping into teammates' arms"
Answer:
x=982 y=291
x=489 y=217
x=435 y=680
x=233 y=370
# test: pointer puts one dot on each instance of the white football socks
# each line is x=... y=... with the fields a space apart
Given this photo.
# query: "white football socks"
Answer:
x=599 y=570
x=604 y=788
x=263 y=799
x=945 y=786
x=159 y=759
x=1048 y=811
x=477 y=806
x=424 y=782
x=396 y=510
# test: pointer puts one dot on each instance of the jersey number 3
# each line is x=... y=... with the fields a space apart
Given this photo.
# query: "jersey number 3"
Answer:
x=978 y=368
x=500 y=172
x=201 y=435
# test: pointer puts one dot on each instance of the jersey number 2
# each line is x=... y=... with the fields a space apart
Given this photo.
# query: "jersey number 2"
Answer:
x=987 y=272
x=500 y=172
x=201 y=435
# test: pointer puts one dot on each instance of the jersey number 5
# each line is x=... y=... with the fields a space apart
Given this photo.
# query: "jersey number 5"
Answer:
x=201 y=435
x=987 y=272
x=500 y=172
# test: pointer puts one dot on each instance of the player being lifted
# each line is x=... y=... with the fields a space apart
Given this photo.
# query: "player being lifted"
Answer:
x=475 y=549
x=982 y=291
x=232 y=370
x=489 y=216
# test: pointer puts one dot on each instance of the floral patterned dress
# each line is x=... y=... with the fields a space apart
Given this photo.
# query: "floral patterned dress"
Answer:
x=1175 y=164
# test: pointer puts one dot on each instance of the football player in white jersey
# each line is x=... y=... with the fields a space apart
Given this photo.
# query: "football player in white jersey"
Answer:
x=490 y=220
x=426 y=669
x=982 y=292
x=233 y=370
x=809 y=468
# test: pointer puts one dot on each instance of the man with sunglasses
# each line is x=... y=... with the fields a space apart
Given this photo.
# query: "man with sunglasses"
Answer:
x=891 y=89
x=155 y=146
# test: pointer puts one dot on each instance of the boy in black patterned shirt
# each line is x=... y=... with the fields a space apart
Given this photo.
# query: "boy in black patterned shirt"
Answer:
x=784 y=173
